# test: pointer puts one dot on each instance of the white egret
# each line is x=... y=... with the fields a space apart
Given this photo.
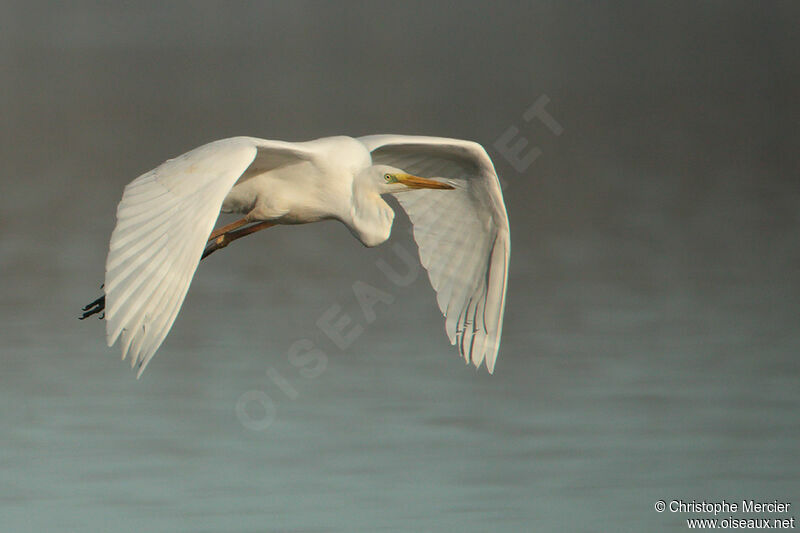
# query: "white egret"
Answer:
x=166 y=217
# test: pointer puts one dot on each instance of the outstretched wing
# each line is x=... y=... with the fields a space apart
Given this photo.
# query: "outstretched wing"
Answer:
x=163 y=223
x=463 y=235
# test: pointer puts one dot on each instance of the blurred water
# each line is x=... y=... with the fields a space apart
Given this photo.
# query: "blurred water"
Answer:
x=651 y=333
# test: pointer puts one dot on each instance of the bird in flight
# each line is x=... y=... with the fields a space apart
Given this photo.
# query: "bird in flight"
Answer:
x=165 y=225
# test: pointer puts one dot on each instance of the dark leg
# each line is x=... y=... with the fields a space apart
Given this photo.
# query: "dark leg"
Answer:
x=230 y=227
x=226 y=238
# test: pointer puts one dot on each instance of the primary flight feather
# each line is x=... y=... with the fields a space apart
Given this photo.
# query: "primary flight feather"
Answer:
x=165 y=225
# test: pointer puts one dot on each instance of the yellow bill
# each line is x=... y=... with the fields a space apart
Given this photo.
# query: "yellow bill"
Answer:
x=415 y=182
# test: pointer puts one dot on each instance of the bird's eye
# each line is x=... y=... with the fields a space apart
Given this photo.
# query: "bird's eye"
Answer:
x=389 y=178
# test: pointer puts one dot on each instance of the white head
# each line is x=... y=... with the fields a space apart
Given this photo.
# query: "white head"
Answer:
x=370 y=216
x=387 y=179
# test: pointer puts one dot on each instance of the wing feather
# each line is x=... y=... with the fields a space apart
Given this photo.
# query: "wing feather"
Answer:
x=462 y=235
x=163 y=223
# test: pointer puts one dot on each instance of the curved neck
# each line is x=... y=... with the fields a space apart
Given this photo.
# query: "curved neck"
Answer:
x=371 y=217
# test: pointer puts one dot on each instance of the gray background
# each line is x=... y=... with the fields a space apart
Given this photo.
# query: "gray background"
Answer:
x=650 y=346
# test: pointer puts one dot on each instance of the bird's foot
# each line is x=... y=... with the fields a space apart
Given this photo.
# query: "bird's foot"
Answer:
x=93 y=308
